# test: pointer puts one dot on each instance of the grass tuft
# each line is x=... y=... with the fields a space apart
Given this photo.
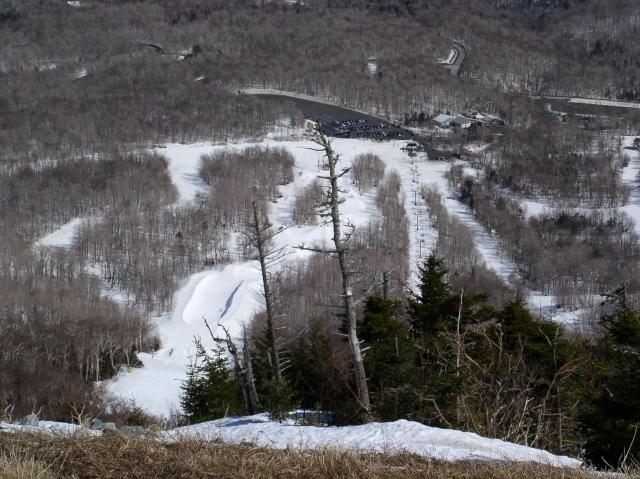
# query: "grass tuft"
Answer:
x=31 y=456
x=15 y=463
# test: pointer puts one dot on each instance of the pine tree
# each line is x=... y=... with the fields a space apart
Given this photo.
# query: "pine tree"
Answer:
x=193 y=398
x=431 y=306
x=210 y=390
x=435 y=312
x=275 y=392
x=317 y=375
x=389 y=359
x=539 y=340
x=610 y=418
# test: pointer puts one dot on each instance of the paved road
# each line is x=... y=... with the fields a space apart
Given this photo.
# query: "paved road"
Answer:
x=590 y=107
x=461 y=53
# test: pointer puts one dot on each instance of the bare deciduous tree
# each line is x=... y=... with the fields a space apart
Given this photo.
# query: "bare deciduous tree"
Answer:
x=367 y=170
x=331 y=209
x=261 y=237
x=241 y=365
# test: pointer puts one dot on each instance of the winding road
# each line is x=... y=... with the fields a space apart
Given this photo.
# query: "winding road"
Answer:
x=460 y=55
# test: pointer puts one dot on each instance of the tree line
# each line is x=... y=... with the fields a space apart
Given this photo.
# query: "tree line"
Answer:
x=572 y=254
x=449 y=359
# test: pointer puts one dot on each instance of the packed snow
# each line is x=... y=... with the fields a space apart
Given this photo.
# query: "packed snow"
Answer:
x=593 y=101
x=228 y=296
x=231 y=294
x=235 y=289
x=398 y=436
x=184 y=161
x=630 y=177
x=390 y=437
x=63 y=237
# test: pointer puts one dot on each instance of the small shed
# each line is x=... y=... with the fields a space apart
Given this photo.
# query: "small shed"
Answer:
x=443 y=120
x=412 y=147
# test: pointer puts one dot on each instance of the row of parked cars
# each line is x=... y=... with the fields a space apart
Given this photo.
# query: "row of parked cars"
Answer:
x=362 y=128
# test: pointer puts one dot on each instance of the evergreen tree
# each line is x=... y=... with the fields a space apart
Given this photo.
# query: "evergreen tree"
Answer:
x=540 y=341
x=210 y=390
x=434 y=312
x=523 y=366
x=276 y=395
x=277 y=399
x=193 y=398
x=389 y=359
x=317 y=375
x=432 y=305
x=610 y=418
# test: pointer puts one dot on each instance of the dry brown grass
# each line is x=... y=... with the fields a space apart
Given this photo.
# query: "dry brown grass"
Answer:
x=30 y=456
x=16 y=464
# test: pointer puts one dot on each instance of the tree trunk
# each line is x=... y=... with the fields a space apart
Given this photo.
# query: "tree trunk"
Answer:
x=260 y=242
x=349 y=304
x=248 y=371
x=242 y=367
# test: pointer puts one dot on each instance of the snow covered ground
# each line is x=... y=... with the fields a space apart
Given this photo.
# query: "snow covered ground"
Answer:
x=228 y=296
x=390 y=437
x=184 y=161
x=62 y=237
x=593 y=101
x=546 y=304
x=630 y=177
x=231 y=294
x=398 y=436
x=156 y=386
x=235 y=289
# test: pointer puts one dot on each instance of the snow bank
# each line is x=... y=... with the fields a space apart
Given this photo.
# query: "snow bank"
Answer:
x=48 y=427
x=398 y=436
x=389 y=437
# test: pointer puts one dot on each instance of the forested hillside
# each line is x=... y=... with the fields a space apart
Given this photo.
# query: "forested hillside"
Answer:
x=420 y=210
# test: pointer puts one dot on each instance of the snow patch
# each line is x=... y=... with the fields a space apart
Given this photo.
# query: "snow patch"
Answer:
x=63 y=237
x=388 y=437
x=593 y=101
x=398 y=436
x=630 y=177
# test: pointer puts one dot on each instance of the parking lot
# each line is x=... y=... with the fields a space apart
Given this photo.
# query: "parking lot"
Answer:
x=363 y=128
